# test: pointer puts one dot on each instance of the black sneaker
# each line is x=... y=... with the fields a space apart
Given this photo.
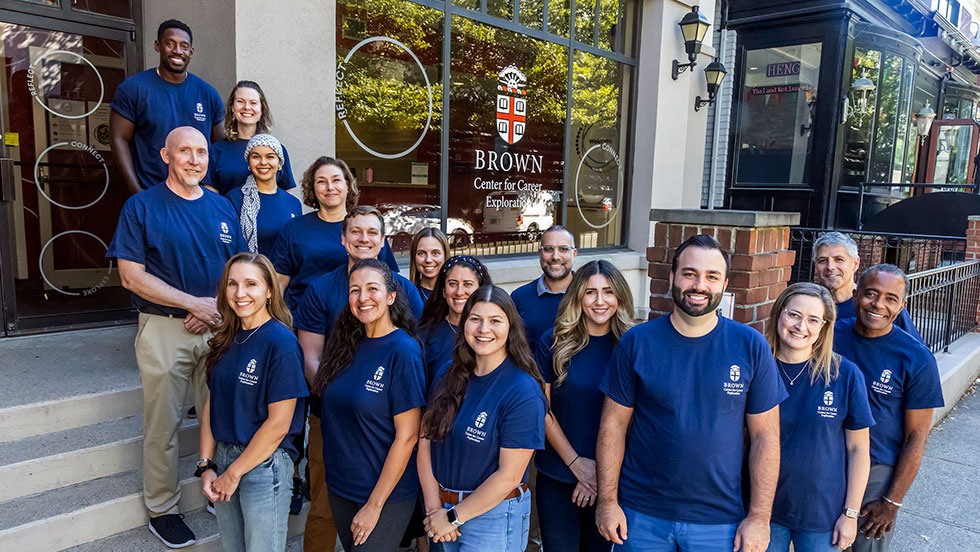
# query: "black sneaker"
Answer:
x=172 y=530
x=192 y=413
x=296 y=503
x=210 y=508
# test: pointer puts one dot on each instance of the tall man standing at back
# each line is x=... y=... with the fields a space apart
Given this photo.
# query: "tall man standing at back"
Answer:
x=537 y=301
x=903 y=388
x=835 y=267
x=172 y=243
x=149 y=104
x=680 y=390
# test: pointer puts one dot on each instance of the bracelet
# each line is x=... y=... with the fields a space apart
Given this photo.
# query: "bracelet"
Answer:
x=892 y=502
x=573 y=461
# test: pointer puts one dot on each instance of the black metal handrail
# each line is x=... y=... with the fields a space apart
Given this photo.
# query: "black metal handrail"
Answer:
x=943 y=303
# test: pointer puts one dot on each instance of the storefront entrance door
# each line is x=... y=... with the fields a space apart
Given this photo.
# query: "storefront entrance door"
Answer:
x=61 y=194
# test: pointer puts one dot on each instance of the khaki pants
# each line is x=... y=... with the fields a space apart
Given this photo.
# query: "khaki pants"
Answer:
x=169 y=358
x=320 y=533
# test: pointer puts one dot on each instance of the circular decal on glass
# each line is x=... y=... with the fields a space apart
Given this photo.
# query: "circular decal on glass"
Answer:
x=89 y=291
x=428 y=88
x=32 y=86
x=79 y=146
x=619 y=191
x=596 y=135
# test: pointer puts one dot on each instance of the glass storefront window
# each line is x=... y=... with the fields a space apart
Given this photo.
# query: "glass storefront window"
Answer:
x=953 y=154
x=508 y=172
x=779 y=95
x=115 y=8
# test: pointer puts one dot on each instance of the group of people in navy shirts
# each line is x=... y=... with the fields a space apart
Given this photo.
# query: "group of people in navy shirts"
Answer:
x=426 y=397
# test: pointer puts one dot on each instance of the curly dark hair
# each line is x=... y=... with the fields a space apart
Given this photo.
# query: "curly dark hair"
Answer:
x=348 y=332
x=450 y=391
x=436 y=308
x=309 y=178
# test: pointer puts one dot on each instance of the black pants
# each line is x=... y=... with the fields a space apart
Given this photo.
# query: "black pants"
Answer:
x=566 y=527
x=387 y=533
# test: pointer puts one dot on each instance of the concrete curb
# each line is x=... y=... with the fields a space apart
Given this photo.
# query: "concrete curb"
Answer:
x=958 y=369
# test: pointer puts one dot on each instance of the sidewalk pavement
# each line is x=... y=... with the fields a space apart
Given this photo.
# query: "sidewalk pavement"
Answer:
x=941 y=511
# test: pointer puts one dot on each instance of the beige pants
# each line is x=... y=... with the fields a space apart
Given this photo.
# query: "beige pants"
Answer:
x=320 y=533
x=169 y=358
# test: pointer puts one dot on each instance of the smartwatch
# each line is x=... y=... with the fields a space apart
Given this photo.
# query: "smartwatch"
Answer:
x=850 y=513
x=453 y=518
x=203 y=465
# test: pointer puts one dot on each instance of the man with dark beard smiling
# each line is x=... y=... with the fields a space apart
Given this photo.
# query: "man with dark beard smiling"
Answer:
x=681 y=389
x=149 y=104
x=903 y=389
x=537 y=301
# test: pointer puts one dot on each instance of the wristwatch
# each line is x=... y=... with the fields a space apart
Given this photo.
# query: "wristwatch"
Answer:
x=851 y=513
x=453 y=519
x=203 y=465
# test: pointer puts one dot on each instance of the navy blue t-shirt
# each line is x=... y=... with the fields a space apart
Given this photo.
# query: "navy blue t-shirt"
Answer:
x=357 y=409
x=309 y=247
x=689 y=397
x=261 y=367
x=155 y=107
x=326 y=297
x=901 y=374
x=437 y=347
x=538 y=311
x=577 y=403
x=503 y=409
x=904 y=321
x=184 y=242
x=424 y=293
x=274 y=212
x=228 y=168
x=813 y=458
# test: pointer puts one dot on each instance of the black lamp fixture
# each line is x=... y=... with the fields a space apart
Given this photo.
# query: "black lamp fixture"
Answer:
x=693 y=26
x=715 y=73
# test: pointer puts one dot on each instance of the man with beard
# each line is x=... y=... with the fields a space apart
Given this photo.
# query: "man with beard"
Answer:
x=903 y=388
x=149 y=104
x=680 y=390
x=835 y=263
x=537 y=301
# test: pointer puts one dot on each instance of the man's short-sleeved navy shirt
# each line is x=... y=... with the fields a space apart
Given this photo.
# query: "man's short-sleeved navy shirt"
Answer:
x=689 y=398
x=538 y=308
x=263 y=366
x=502 y=409
x=184 y=242
x=813 y=459
x=901 y=374
x=155 y=107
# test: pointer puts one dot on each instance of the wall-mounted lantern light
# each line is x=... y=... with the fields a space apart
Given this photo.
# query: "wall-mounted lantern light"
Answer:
x=694 y=26
x=715 y=73
x=923 y=120
x=857 y=103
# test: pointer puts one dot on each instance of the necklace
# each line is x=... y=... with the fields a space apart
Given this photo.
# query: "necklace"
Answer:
x=793 y=380
x=451 y=327
x=242 y=342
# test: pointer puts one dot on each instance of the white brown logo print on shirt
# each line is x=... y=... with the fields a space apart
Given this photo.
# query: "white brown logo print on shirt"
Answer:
x=476 y=434
x=881 y=384
x=224 y=236
x=827 y=409
x=199 y=115
x=734 y=388
x=248 y=376
x=375 y=385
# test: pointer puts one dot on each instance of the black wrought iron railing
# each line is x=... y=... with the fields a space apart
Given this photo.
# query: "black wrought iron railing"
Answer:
x=943 y=303
x=910 y=252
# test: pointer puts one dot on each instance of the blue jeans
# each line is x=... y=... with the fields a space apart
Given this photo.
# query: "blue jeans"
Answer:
x=255 y=519
x=502 y=529
x=803 y=541
x=650 y=534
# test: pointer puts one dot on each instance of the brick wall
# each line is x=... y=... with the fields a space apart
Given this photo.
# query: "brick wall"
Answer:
x=761 y=261
x=973 y=249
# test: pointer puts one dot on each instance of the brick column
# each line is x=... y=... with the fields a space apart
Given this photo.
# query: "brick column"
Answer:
x=758 y=242
x=973 y=249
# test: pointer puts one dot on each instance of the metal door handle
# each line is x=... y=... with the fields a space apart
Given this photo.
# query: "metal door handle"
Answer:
x=6 y=180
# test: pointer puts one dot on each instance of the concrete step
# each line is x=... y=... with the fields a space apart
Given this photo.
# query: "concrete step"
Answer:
x=28 y=420
x=69 y=516
x=44 y=462
x=205 y=528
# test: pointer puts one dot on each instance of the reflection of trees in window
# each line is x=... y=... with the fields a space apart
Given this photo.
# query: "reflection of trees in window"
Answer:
x=532 y=14
x=858 y=141
x=889 y=94
x=559 y=14
x=595 y=90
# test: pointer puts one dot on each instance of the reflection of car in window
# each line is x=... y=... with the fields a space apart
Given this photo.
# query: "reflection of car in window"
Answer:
x=532 y=213
x=403 y=220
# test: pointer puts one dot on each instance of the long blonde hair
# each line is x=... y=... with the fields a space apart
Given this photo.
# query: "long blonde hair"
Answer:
x=824 y=362
x=571 y=331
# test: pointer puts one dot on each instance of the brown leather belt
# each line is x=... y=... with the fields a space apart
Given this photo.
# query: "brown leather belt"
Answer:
x=454 y=497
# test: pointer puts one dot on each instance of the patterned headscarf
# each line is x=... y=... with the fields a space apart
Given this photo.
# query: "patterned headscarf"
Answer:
x=250 y=191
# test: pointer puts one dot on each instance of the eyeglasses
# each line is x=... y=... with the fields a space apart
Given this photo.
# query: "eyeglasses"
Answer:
x=795 y=317
x=563 y=249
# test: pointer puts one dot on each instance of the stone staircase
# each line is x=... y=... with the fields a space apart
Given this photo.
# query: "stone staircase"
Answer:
x=71 y=477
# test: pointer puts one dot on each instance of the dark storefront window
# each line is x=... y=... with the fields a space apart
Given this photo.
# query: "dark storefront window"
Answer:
x=779 y=95
x=518 y=157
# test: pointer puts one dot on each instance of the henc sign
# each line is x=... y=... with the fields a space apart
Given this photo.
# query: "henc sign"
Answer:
x=783 y=69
